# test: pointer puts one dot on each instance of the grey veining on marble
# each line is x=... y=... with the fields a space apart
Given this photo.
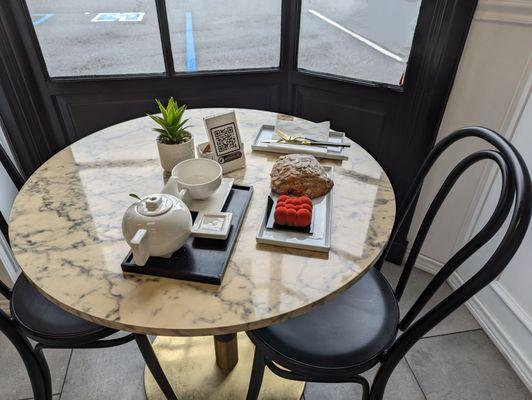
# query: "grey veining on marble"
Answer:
x=65 y=230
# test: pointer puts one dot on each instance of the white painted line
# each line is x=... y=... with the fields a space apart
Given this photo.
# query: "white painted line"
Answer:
x=357 y=36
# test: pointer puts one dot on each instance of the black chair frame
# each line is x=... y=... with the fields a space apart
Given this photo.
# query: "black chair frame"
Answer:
x=515 y=191
x=33 y=357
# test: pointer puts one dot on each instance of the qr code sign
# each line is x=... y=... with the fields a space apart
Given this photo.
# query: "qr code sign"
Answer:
x=225 y=139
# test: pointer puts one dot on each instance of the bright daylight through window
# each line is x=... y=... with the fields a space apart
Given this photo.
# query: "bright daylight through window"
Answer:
x=361 y=39
x=367 y=40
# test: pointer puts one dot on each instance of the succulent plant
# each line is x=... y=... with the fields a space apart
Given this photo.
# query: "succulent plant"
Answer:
x=172 y=125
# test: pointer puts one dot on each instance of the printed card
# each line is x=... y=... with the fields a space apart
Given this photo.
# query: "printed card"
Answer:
x=225 y=142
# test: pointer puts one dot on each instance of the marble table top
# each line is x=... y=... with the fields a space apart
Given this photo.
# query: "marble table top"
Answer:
x=65 y=231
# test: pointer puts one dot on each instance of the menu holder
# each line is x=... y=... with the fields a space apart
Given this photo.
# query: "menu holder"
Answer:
x=200 y=259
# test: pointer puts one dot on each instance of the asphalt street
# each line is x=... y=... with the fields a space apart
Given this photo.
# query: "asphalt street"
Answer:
x=356 y=38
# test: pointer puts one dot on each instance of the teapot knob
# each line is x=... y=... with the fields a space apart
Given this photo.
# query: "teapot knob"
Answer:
x=153 y=202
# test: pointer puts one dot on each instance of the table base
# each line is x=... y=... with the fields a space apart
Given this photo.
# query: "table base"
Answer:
x=190 y=365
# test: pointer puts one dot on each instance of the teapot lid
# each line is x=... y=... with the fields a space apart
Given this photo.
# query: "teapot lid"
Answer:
x=155 y=204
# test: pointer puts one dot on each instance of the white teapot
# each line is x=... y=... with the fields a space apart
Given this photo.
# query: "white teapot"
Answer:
x=157 y=225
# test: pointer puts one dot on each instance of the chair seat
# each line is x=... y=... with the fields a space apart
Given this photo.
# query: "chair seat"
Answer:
x=351 y=330
x=44 y=321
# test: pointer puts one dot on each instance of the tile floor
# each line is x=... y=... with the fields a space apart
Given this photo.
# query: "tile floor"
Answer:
x=455 y=361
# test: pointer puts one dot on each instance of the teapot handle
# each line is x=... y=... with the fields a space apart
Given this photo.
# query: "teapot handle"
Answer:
x=139 y=247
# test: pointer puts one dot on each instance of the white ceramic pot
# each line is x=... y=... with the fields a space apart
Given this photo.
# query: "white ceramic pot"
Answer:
x=172 y=154
x=196 y=179
x=157 y=225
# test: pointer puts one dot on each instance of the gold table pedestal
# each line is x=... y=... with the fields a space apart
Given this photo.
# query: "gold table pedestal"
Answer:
x=191 y=367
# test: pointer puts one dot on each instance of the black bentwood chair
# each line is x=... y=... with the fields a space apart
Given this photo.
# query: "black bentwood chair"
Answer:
x=35 y=317
x=358 y=330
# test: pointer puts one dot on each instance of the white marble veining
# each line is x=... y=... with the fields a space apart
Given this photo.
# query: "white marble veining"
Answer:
x=65 y=230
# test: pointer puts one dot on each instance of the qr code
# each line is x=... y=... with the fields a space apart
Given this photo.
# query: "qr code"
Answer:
x=225 y=139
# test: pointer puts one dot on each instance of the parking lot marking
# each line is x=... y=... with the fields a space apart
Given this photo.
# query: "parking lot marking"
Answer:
x=119 y=17
x=364 y=40
x=40 y=18
x=191 y=50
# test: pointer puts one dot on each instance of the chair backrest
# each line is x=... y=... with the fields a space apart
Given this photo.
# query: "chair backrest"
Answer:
x=18 y=181
x=515 y=191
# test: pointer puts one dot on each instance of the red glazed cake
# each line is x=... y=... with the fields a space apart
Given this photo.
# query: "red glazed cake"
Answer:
x=293 y=211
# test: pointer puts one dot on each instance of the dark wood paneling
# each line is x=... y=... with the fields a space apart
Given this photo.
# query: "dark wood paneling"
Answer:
x=87 y=113
x=362 y=119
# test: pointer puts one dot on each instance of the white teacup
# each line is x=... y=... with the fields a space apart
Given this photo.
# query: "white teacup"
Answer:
x=196 y=178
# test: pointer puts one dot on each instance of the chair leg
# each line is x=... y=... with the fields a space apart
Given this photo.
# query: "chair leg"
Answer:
x=257 y=373
x=155 y=368
x=365 y=390
x=45 y=370
x=379 y=382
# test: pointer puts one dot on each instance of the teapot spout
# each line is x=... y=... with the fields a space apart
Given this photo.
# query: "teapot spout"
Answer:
x=139 y=247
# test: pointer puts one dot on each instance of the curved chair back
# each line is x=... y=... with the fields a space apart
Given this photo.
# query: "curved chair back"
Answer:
x=18 y=181
x=515 y=191
x=16 y=178
x=7 y=326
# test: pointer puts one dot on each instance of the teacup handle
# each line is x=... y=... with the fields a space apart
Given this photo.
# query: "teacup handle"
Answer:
x=183 y=195
x=172 y=188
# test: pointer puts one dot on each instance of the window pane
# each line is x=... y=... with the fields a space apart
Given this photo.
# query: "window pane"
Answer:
x=216 y=35
x=368 y=40
x=98 y=37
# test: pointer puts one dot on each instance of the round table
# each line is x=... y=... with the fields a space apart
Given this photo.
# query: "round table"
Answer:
x=65 y=231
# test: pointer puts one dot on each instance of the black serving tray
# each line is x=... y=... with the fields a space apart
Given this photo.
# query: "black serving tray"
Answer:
x=200 y=259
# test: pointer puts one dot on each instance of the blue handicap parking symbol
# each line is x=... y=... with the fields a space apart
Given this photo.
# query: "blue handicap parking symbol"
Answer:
x=119 y=17
x=38 y=19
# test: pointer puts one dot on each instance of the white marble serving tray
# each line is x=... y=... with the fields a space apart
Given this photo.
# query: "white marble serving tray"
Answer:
x=267 y=132
x=318 y=240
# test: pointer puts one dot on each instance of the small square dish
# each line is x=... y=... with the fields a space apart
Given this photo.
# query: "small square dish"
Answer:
x=212 y=225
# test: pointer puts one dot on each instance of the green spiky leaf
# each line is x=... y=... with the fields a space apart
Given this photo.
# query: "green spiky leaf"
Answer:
x=172 y=125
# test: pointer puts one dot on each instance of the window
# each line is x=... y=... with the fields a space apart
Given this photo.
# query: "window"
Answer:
x=215 y=35
x=98 y=37
x=367 y=40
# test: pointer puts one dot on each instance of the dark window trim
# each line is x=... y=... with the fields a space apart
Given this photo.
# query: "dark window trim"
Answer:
x=162 y=75
x=166 y=41
x=26 y=19
x=354 y=81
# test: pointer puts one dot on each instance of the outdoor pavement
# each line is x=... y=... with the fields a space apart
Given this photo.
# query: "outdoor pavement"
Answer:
x=353 y=38
x=455 y=361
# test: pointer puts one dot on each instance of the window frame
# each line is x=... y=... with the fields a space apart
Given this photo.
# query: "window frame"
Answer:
x=288 y=57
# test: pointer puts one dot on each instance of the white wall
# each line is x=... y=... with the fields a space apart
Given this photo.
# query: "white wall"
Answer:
x=492 y=89
x=504 y=309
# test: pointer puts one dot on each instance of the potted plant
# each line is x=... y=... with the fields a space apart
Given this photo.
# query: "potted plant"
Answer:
x=175 y=143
